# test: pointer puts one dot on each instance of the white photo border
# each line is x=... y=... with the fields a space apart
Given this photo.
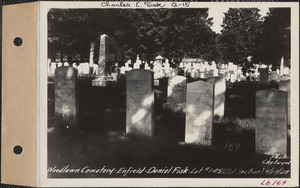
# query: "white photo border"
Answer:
x=42 y=179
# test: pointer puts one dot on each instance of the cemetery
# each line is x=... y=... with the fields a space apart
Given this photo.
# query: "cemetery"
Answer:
x=164 y=118
x=159 y=118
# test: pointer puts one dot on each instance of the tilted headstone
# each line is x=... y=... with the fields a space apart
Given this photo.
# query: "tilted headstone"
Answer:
x=286 y=86
x=271 y=122
x=219 y=95
x=199 y=113
x=66 y=96
x=176 y=94
x=139 y=102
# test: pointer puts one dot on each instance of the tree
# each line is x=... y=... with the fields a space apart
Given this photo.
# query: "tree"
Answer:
x=239 y=36
x=276 y=36
x=172 y=33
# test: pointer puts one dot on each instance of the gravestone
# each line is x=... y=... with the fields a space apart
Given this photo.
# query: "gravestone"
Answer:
x=85 y=68
x=219 y=95
x=74 y=65
x=176 y=94
x=103 y=56
x=158 y=70
x=103 y=77
x=286 y=86
x=52 y=69
x=139 y=102
x=264 y=74
x=199 y=113
x=66 y=96
x=274 y=76
x=271 y=122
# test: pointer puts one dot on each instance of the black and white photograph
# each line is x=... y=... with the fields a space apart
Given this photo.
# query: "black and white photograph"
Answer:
x=169 y=90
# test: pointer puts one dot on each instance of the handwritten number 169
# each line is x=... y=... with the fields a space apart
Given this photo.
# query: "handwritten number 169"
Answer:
x=232 y=146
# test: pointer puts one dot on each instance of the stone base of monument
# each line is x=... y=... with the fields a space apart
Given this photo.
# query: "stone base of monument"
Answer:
x=103 y=81
x=174 y=107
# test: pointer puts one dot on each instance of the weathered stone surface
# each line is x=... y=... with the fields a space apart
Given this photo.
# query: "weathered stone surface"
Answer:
x=176 y=94
x=219 y=95
x=286 y=86
x=66 y=96
x=104 y=77
x=271 y=122
x=103 y=56
x=199 y=113
x=139 y=102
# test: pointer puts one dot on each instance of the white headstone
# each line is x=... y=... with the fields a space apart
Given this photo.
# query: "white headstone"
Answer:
x=74 y=65
x=181 y=65
x=122 y=70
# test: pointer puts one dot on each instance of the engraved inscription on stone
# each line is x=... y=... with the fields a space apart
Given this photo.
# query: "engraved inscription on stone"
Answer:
x=66 y=98
x=199 y=113
x=271 y=122
x=139 y=102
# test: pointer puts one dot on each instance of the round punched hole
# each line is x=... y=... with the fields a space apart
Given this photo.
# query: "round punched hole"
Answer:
x=18 y=150
x=18 y=41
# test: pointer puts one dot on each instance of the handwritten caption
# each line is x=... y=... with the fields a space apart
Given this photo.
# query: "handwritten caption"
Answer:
x=277 y=159
x=232 y=146
x=146 y=4
x=124 y=171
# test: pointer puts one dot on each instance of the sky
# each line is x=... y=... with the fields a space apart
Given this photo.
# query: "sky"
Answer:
x=217 y=13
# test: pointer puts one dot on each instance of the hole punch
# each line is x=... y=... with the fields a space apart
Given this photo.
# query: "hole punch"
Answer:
x=18 y=41
x=18 y=150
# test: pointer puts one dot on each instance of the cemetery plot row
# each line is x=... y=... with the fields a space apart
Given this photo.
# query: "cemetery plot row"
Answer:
x=201 y=100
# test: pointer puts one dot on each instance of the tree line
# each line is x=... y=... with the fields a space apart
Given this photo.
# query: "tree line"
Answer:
x=173 y=33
